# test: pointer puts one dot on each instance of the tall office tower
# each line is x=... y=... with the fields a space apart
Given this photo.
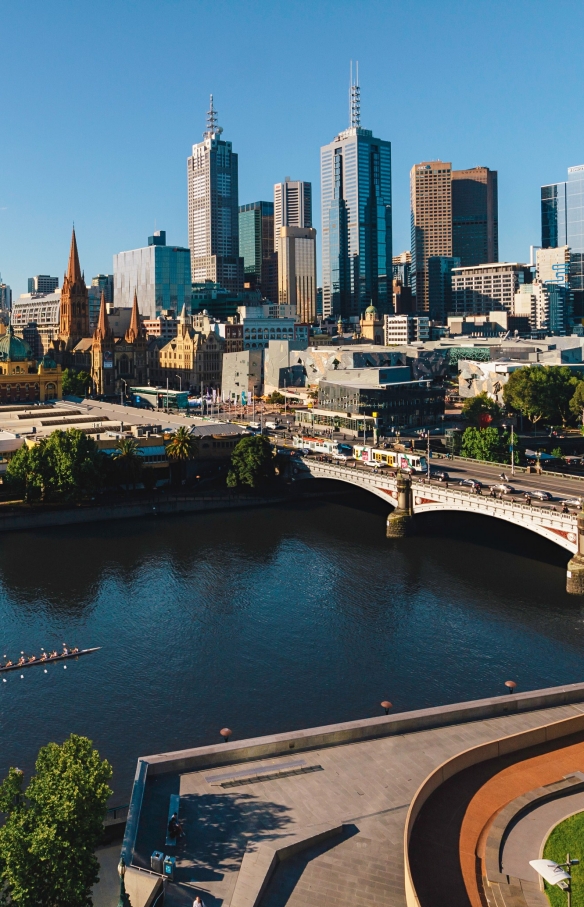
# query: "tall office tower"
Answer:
x=292 y=206
x=297 y=271
x=440 y=285
x=431 y=213
x=42 y=283
x=475 y=218
x=256 y=246
x=562 y=224
x=356 y=219
x=105 y=282
x=214 y=210
x=5 y=297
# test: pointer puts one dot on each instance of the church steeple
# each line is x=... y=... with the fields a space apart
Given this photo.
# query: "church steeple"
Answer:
x=135 y=329
x=102 y=331
x=74 y=313
x=74 y=269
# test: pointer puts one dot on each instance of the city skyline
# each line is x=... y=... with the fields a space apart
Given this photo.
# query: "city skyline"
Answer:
x=130 y=182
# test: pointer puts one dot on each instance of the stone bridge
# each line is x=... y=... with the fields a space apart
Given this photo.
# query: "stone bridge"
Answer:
x=412 y=495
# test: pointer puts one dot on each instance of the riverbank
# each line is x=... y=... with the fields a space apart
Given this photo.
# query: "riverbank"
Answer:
x=51 y=515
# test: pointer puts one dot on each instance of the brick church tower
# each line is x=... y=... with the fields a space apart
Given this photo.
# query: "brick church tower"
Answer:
x=74 y=318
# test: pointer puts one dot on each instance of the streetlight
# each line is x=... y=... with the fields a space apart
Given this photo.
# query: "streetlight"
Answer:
x=180 y=379
x=556 y=873
x=124 y=900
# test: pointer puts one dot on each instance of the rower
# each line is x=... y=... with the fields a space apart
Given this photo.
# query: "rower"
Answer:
x=32 y=658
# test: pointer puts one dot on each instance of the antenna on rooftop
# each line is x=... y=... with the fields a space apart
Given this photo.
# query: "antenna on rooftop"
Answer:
x=354 y=98
x=212 y=128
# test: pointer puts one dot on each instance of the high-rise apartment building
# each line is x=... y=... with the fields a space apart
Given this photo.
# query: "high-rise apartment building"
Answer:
x=160 y=274
x=475 y=218
x=213 y=204
x=562 y=224
x=256 y=247
x=42 y=283
x=356 y=219
x=292 y=206
x=431 y=219
x=297 y=271
x=487 y=288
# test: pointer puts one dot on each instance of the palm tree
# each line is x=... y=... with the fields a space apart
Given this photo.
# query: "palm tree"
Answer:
x=182 y=447
x=128 y=459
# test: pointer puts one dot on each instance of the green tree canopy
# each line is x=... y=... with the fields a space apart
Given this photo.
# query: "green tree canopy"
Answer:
x=541 y=392
x=76 y=383
x=252 y=462
x=64 y=466
x=52 y=827
x=486 y=444
x=128 y=460
x=480 y=405
x=181 y=448
x=577 y=402
x=276 y=397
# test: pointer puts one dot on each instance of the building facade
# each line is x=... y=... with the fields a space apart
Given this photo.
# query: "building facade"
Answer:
x=242 y=376
x=192 y=360
x=5 y=298
x=431 y=223
x=356 y=220
x=256 y=247
x=440 y=269
x=402 y=268
x=42 y=283
x=105 y=283
x=475 y=217
x=292 y=206
x=486 y=288
x=23 y=378
x=297 y=271
x=213 y=209
x=562 y=224
x=118 y=363
x=159 y=274
x=397 y=404
x=400 y=330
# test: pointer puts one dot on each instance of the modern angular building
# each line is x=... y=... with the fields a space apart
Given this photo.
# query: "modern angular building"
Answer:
x=213 y=204
x=562 y=224
x=356 y=220
x=161 y=274
x=475 y=217
x=256 y=247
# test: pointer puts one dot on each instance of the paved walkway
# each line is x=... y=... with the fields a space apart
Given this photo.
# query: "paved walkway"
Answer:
x=367 y=785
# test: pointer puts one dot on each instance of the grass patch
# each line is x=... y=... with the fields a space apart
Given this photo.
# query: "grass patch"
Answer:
x=567 y=837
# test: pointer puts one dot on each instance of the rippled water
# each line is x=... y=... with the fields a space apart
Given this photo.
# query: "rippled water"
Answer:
x=269 y=620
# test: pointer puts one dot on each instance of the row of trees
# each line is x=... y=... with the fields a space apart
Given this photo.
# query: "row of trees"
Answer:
x=52 y=826
x=68 y=466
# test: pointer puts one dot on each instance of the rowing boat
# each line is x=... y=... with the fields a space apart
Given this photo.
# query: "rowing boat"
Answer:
x=48 y=660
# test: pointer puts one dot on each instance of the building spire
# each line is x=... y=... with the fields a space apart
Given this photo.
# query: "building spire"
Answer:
x=354 y=98
x=74 y=268
x=102 y=330
x=212 y=128
x=135 y=329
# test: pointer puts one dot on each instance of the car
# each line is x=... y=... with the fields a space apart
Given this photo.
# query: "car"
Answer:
x=440 y=475
x=540 y=495
x=471 y=483
x=504 y=488
x=572 y=502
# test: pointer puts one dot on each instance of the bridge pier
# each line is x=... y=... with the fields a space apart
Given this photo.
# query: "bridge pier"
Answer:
x=400 y=521
x=575 y=572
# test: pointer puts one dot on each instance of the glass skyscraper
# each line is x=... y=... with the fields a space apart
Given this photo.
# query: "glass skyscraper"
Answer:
x=256 y=247
x=356 y=220
x=160 y=274
x=562 y=224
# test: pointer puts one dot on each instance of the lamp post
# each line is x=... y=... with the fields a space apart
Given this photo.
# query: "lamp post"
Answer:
x=124 y=900
x=180 y=380
x=557 y=873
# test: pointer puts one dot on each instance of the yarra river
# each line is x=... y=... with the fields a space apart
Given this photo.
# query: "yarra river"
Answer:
x=270 y=620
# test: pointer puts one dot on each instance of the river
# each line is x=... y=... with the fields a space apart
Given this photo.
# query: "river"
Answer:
x=269 y=620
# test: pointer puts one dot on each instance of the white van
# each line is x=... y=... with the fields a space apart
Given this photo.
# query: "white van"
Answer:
x=273 y=426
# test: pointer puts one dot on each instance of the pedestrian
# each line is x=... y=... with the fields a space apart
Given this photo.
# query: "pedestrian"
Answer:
x=198 y=902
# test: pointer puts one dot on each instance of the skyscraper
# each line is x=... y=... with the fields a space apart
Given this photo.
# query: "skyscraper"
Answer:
x=431 y=213
x=292 y=206
x=356 y=219
x=297 y=271
x=214 y=209
x=562 y=224
x=475 y=219
x=160 y=274
x=42 y=283
x=256 y=245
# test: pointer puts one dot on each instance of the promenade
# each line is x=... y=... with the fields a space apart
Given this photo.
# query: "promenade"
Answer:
x=355 y=792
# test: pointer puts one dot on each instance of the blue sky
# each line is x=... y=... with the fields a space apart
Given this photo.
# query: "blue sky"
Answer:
x=100 y=103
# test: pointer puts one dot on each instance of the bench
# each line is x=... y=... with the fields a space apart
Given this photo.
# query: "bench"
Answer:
x=172 y=809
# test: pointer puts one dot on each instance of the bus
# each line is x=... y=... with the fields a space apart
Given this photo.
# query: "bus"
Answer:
x=395 y=459
x=323 y=446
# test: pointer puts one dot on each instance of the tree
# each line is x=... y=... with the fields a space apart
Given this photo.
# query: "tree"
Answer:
x=486 y=444
x=52 y=827
x=182 y=447
x=252 y=462
x=76 y=383
x=577 y=402
x=128 y=460
x=276 y=397
x=64 y=466
x=480 y=410
x=541 y=392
